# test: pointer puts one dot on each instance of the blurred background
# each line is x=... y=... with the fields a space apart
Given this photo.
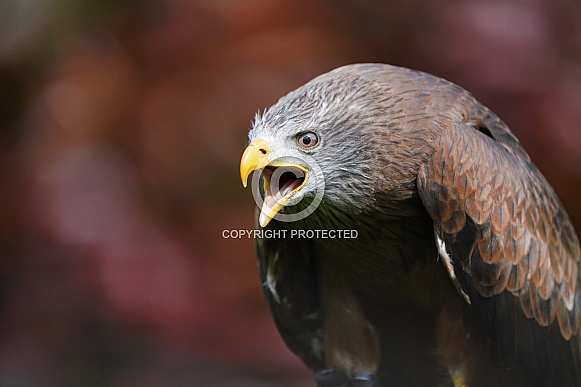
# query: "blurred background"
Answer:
x=121 y=127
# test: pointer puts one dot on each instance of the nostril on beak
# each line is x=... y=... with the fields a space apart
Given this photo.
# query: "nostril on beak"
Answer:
x=263 y=151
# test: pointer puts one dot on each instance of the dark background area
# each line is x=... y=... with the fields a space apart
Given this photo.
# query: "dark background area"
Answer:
x=121 y=128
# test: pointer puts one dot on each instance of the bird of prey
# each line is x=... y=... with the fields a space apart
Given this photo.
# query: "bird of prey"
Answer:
x=436 y=254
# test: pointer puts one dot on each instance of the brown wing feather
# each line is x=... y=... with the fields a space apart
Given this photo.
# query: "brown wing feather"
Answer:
x=504 y=223
x=514 y=250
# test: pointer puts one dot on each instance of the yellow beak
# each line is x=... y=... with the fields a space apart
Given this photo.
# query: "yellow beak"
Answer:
x=256 y=157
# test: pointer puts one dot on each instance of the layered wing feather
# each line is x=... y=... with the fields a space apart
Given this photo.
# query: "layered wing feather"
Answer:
x=513 y=247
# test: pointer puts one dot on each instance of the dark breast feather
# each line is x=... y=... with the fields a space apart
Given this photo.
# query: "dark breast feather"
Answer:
x=290 y=285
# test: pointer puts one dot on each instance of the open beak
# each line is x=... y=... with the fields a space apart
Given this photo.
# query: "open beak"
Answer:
x=282 y=179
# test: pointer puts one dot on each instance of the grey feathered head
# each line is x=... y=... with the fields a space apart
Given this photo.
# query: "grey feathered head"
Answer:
x=343 y=134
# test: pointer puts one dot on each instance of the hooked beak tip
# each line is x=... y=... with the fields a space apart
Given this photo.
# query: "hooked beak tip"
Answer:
x=253 y=158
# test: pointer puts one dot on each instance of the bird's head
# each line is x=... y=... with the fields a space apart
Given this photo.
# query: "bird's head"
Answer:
x=312 y=146
x=346 y=138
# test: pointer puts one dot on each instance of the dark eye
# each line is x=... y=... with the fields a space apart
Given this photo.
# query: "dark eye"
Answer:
x=308 y=140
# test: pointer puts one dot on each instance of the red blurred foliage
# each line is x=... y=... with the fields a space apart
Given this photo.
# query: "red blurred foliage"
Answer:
x=120 y=159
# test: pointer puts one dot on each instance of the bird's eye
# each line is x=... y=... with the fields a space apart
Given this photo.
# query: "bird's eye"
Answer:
x=308 y=140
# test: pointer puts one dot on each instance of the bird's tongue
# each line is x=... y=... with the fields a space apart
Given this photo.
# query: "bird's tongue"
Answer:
x=282 y=187
x=288 y=187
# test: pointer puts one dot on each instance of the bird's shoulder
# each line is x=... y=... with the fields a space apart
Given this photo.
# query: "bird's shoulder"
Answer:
x=502 y=222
